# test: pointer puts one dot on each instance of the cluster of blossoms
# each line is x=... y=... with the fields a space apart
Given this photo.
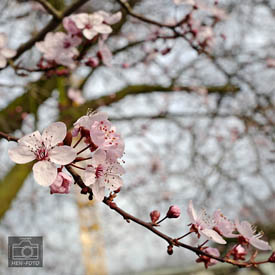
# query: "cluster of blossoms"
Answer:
x=61 y=48
x=215 y=229
x=5 y=52
x=101 y=145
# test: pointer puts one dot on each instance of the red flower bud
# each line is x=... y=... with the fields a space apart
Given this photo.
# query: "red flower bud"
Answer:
x=154 y=216
x=173 y=212
x=271 y=259
x=170 y=250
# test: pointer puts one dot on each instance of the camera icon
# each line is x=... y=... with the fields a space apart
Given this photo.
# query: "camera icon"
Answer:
x=25 y=250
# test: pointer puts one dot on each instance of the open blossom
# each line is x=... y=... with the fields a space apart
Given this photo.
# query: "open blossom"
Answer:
x=44 y=148
x=248 y=232
x=91 y=24
x=103 y=174
x=224 y=226
x=110 y=19
x=102 y=134
x=202 y=226
x=60 y=47
x=5 y=52
x=62 y=184
x=207 y=260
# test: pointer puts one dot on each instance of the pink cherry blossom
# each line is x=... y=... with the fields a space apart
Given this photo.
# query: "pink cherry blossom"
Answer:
x=76 y=96
x=110 y=19
x=207 y=260
x=45 y=149
x=103 y=174
x=202 y=225
x=248 y=232
x=70 y=26
x=60 y=47
x=62 y=183
x=91 y=24
x=105 y=53
x=5 y=52
x=102 y=133
x=224 y=226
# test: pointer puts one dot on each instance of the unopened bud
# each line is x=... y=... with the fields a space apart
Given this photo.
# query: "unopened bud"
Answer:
x=271 y=259
x=173 y=212
x=84 y=190
x=170 y=250
x=154 y=216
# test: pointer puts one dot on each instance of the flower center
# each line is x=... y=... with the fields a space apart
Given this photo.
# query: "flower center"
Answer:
x=41 y=153
x=99 y=171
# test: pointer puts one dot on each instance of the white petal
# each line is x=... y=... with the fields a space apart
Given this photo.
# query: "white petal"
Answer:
x=89 y=34
x=3 y=39
x=98 y=191
x=260 y=244
x=54 y=134
x=103 y=28
x=245 y=229
x=114 y=18
x=21 y=154
x=62 y=155
x=212 y=235
x=117 y=169
x=81 y=20
x=33 y=140
x=44 y=172
x=89 y=177
x=99 y=157
x=113 y=182
x=3 y=61
x=8 y=53
x=191 y=212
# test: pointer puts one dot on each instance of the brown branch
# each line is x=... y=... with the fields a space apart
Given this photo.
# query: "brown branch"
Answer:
x=49 y=27
x=49 y=8
x=171 y=241
x=8 y=137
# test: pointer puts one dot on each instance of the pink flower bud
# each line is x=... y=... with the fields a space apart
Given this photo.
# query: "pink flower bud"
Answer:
x=154 y=216
x=271 y=259
x=173 y=212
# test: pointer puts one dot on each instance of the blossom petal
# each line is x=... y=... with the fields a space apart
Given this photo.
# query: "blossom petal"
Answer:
x=103 y=28
x=98 y=190
x=113 y=182
x=62 y=155
x=8 y=53
x=89 y=34
x=191 y=212
x=54 y=134
x=245 y=229
x=99 y=157
x=33 y=140
x=3 y=61
x=44 y=172
x=260 y=244
x=89 y=177
x=3 y=39
x=21 y=154
x=212 y=235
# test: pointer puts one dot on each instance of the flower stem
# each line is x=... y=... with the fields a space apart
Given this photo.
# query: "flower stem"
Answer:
x=185 y=235
x=162 y=220
x=84 y=149
x=78 y=167
x=78 y=141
